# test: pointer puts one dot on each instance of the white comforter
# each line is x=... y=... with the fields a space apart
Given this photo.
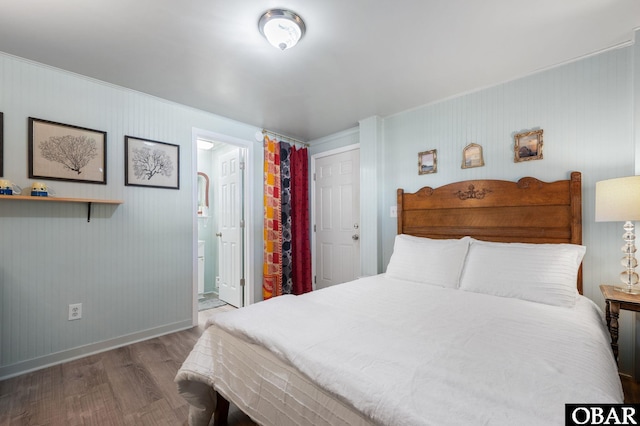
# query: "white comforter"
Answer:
x=406 y=353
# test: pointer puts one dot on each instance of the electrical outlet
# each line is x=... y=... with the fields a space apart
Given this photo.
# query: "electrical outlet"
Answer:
x=218 y=281
x=75 y=311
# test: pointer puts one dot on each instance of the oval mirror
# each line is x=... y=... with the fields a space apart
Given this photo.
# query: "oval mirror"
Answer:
x=203 y=194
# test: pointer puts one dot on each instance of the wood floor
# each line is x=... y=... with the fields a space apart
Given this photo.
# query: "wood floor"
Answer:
x=132 y=385
x=631 y=390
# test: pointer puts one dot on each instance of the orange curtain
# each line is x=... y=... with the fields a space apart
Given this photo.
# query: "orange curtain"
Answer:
x=272 y=264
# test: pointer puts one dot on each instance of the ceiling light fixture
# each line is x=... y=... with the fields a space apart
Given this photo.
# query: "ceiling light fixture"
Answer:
x=204 y=144
x=282 y=28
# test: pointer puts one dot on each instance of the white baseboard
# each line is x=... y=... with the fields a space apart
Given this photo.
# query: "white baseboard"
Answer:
x=39 y=363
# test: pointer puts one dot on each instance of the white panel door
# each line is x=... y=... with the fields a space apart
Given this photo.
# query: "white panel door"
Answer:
x=229 y=183
x=337 y=218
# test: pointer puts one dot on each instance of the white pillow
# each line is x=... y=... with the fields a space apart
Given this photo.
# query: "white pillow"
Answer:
x=544 y=273
x=429 y=261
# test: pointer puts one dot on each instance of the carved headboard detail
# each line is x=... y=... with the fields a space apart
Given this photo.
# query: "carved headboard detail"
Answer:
x=473 y=193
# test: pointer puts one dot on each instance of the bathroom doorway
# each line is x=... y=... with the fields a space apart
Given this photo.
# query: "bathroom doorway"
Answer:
x=219 y=234
x=220 y=218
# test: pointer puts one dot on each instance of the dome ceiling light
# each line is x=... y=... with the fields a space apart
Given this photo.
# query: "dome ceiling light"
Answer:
x=282 y=28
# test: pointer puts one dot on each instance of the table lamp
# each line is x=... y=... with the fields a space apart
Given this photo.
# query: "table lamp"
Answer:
x=618 y=200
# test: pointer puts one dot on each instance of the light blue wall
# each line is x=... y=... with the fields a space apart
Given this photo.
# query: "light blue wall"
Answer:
x=334 y=141
x=132 y=266
x=586 y=111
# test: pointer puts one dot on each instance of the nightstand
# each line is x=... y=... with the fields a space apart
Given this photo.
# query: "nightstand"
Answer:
x=616 y=300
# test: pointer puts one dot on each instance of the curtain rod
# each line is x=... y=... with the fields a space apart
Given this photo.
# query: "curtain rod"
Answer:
x=287 y=138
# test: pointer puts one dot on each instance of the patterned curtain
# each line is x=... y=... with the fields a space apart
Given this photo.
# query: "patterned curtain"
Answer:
x=286 y=210
x=287 y=253
x=272 y=266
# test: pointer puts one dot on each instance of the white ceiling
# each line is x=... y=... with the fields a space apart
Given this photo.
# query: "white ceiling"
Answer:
x=359 y=58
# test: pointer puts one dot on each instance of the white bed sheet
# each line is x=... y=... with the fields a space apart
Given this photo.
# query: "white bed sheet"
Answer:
x=272 y=392
x=260 y=384
x=404 y=353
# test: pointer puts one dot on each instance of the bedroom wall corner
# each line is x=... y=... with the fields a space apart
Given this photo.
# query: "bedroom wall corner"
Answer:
x=370 y=208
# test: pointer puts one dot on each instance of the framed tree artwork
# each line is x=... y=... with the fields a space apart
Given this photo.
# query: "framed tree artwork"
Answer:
x=64 y=152
x=151 y=163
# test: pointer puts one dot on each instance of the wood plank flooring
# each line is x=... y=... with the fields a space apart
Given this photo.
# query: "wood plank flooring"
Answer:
x=132 y=385
x=631 y=390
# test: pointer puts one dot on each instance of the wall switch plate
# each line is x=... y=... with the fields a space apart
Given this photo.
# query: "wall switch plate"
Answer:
x=394 y=211
x=75 y=311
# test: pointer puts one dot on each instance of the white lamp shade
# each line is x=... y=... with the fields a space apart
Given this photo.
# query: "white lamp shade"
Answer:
x=618 y=200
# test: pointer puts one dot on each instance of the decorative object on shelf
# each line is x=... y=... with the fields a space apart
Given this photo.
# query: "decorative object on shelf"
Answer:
x=527 y=146
x=618 y=200
x=9 y=188
x=428 y=162
x=282 y=28
x=472 y=156
x=65 y=152
x=1 y=144
x=39 y=189
x=151 y=163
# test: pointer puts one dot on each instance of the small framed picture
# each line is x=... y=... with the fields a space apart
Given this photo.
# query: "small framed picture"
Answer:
x=151 y=163
x=528 y=146
x=472 y=156
x=64 y=152
x=428 y=162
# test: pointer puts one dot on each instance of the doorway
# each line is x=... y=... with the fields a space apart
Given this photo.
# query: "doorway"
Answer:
x=336 y=210
x=219 y=221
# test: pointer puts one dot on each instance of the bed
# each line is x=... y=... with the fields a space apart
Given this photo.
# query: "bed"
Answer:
x=478 y=319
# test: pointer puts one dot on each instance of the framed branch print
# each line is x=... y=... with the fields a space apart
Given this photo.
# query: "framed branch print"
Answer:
x=528 y=146
x=427 y=162
x=151 y=163
x=65 y=152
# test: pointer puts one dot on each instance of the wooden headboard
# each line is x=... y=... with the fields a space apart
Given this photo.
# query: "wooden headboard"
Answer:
x=529 y=211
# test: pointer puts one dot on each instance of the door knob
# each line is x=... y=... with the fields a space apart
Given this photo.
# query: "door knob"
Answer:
x=218 y=234
x=355 y=237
